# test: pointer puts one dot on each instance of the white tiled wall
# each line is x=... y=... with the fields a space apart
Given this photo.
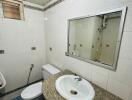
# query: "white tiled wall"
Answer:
x=119 y=82
x=16 y=38
x=119 y=88
x=130 y=95
x=1 y=12
x=100 y=77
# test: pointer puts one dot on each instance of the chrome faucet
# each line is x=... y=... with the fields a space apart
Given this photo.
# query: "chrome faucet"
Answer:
x=78 y=78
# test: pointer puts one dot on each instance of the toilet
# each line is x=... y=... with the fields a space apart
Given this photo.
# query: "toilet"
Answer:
x=34 y=91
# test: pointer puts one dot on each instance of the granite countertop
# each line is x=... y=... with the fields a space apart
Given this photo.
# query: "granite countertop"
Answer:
x=50 y=93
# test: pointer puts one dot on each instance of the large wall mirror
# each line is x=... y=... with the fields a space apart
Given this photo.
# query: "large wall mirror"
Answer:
x=97 y=38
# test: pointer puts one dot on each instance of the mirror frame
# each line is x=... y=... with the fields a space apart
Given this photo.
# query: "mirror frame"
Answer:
x=112 y=67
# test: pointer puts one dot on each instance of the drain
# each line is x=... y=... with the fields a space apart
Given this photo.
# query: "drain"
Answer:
x=73 y=92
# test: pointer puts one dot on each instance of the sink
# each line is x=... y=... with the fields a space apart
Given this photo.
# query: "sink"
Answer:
x=72 y=89
x=2 y=81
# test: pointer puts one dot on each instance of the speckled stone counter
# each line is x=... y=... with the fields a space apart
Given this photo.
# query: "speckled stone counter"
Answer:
x=50 y=93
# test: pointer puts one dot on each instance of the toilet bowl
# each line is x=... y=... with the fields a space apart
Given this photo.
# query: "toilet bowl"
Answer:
x=33 y=91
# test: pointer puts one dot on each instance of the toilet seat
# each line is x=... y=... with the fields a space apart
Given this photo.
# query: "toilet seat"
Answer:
x=32 y=91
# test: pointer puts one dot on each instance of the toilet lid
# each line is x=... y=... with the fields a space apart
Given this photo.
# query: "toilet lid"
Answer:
x=32 y=91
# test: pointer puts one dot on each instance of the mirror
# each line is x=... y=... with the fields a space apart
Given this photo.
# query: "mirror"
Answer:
x=96 y=39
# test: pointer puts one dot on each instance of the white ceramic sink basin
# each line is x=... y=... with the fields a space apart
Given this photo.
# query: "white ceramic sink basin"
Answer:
x=72 y=89
x=2 y=81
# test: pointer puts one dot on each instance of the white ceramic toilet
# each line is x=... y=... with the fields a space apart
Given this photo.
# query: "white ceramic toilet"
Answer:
x=33 y=91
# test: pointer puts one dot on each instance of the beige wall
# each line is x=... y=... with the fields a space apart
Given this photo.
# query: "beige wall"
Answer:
x=119 y=82
x=16 y=38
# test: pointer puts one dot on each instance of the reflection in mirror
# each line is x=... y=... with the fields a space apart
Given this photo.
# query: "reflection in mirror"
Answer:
x=95 y=38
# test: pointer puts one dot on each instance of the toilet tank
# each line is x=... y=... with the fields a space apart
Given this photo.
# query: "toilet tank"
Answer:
x=48 y=70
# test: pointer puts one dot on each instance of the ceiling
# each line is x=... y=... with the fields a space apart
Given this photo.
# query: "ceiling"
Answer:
x=39 y=2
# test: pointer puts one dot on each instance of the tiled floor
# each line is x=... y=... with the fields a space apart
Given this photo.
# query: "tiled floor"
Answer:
x=19 y=98
x=12 y=95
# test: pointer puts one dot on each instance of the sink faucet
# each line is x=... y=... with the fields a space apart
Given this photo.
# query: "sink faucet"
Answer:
x=78 y=78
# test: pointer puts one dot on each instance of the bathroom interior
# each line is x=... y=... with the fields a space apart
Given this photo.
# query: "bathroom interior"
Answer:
x=65 y=50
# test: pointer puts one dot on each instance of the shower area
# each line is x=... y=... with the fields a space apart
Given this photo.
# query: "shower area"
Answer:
x=106 y=34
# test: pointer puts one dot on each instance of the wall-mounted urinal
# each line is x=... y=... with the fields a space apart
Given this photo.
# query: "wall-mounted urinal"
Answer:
x=2 y=81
